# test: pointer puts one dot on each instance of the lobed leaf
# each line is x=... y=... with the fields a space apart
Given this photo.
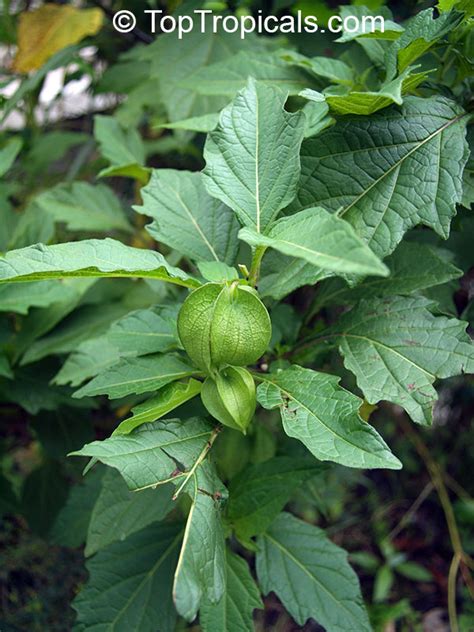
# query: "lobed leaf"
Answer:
x=154 y=453
x=234 y=612
x=123 y=148
x=187 y=218
x=325 y=418
x=254 y=168
x=388 y=172
x=259 y=493
x=413 y=267
x=420 y=34
x=129 y=586
x=226 y=77
x=310 y=575
x=83 y=207
x=396 y=349
x=200 y=572
x=118 y=512
x=72 y=522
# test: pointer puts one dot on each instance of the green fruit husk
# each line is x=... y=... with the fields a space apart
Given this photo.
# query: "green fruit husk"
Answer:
x=231 y=397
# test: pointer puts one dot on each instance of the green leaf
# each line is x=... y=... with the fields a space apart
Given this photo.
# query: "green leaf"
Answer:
x=145 y=331
x=31 y=226
x=176 y=62
x=62 y=431
x=41 y=321
x=72 y=522
x=129 y=585
x=368 y=102
x=414 y=571
x=5 y=370
x=167 y=399
x=281 y=275
x=88 y=258
x=84 y=207
x=391 y=30
x=383 y=583
x=8 y=154
x=325 y=418
x=413 y=267
x=259 y=493
x=136 y=375
x=234 y=612
x=119 y=512
x=19 y=298
x=217 y=272
x=91 y=358
x=137 y=333
x=43 y=494
x=227 y=77
x=255 y=170
x=200 y=571
x=123 y=148
x=154 y=453
x=205 y=123
x=396 y=349
x=31 y=389
x=316 y=117
x=187 y=218
x=420 y=34
x=335 y=70
x=417 y=181
x=310 y=575
x=83 y=323
x=320 y=238
x=55 y=145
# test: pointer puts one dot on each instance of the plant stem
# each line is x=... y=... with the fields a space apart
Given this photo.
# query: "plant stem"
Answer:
x=460 y=558
x=255 y=265
x=453 y=572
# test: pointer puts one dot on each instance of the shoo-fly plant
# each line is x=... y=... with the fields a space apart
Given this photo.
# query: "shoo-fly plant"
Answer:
x=302 y=286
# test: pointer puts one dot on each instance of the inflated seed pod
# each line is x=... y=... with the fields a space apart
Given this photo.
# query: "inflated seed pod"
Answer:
x=223 y=325
x=230 y=397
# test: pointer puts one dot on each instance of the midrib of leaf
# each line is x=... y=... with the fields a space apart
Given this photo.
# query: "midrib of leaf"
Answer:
x=257 y=175
x=311 y=413
x=400 y=161
x=159 y=447
x=186 y=535
x=307 y=572
x=147 y=379
x=146 y=579
x=196 y=225
x=94 y=271
x=311 y=250
x=131 y=332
